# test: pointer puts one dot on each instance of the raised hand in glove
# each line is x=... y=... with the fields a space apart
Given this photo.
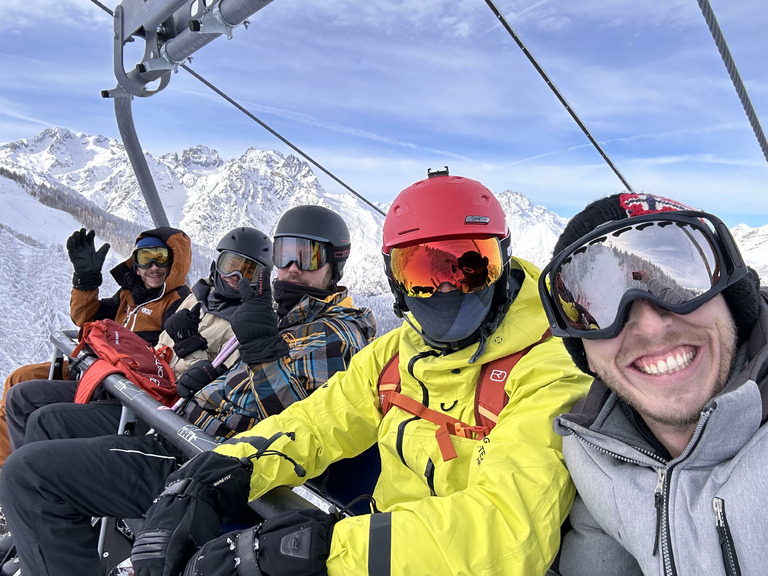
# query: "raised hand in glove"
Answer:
x=255 y=323
x=86 y=260
x=197 y=377
x=188 y=513
x=295 y=543
x=183 y=327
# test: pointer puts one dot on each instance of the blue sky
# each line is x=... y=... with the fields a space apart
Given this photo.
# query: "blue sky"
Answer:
x=378 y=91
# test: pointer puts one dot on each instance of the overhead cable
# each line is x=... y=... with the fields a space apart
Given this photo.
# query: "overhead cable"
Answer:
x=733 y=72
x=281 y=138
x=266 y=127
x=557 y=93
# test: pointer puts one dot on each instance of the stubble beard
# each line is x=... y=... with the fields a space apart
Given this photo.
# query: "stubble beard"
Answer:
x=683 y=416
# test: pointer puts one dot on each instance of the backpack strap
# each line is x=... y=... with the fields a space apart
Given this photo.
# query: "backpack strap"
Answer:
x=490 y=394
x=389 y=395
x=89 y=381
x=84 y=330
x=389 y=381
x=490 y=399
x=446 y=425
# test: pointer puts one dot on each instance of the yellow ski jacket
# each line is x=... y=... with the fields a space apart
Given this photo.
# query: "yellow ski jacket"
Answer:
x=494 y=509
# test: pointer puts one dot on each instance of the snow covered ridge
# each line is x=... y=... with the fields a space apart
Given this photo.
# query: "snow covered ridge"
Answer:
x=58 y=181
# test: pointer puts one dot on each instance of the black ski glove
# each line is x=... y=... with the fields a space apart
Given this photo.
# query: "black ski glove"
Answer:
x=295 y=543
x=183 y=327
x=197 y=377
x=188 y=513
x=86 y=260
x=255 y=324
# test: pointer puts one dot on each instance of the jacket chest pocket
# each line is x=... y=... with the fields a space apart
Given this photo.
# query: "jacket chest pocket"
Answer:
x=418 y=450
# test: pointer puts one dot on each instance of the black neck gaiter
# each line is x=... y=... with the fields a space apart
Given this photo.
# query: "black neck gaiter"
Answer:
x=288 y=294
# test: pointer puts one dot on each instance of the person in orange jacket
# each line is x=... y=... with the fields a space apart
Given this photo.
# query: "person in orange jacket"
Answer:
x=152 y=285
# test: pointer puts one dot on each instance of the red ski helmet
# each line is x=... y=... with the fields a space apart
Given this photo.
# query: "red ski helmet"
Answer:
x=441 y=207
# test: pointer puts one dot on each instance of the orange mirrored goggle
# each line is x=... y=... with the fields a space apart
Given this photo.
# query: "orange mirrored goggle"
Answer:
x=159 y=255
x=468 y=264
x=229 y=263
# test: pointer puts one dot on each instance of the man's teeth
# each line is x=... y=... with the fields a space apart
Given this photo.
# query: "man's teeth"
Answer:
x=671 y=364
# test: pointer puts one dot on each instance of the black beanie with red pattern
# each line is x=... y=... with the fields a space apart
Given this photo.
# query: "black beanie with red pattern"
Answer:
x=742 y=297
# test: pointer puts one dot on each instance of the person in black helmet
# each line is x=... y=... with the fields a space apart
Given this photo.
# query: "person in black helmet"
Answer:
x=311 y=246
x=54 y=487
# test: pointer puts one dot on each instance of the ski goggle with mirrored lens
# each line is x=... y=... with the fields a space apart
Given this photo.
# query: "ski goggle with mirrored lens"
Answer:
x=678 y=260
x=158 y=255
x=308 y=254
x=229 y=263
x=469 y=264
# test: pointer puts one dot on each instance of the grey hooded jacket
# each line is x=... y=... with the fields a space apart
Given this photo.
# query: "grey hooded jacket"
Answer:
x=705 y=512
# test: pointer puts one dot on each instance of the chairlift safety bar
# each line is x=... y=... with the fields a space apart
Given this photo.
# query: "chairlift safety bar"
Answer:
x=189 y=439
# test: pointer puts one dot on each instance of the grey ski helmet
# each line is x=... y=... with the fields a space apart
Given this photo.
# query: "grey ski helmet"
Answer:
x=323 y=225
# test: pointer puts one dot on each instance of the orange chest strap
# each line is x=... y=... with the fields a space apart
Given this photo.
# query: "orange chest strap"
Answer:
x=446 y=425
x=490 y=399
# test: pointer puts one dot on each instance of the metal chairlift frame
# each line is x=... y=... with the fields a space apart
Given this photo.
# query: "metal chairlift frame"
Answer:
x=185 y=436
x=172 y=30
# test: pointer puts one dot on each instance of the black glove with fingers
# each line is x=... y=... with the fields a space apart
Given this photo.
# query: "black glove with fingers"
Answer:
x=86 y=260
x=255 y=323
x=183 y=326
x=188 y=513
x=197 y=377
x=295 y=543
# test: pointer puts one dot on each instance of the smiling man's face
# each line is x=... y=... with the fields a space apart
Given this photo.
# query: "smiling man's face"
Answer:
x=668 y=366
x=154 y=276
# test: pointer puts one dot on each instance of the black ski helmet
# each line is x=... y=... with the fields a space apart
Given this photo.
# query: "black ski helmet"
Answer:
x=322 y=224
x=248 y=242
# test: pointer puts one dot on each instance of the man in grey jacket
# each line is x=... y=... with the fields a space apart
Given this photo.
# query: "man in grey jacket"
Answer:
x=669 y=450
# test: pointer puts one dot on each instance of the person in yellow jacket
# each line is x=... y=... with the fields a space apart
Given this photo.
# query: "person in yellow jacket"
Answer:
x=455 y=496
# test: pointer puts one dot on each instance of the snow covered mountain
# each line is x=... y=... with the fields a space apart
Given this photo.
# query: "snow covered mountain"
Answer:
x=59 y=181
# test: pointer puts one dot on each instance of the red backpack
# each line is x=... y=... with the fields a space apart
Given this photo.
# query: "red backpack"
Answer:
x=121 y=351
x=490 y=399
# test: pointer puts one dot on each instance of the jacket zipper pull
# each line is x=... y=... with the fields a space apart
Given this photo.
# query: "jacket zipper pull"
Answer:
x=717 y=504
x=658 y=502
x=730 y=560
x=429 y=474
